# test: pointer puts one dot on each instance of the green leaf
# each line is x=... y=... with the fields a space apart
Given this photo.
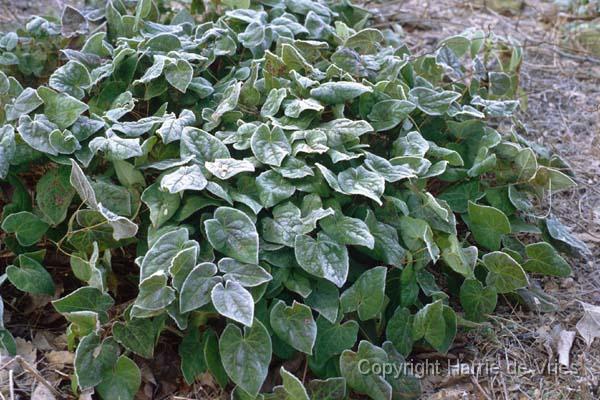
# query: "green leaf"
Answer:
x=197 y=287
x=436 y=324
x=366 y=295
x=461 y=260
x=72 y=78
x=233 y=233
x=399 y=330
x=192 y=356
x=544 y=259
x=270 y=146
x=477 y=300
x=93 y=358
x=136 y=335
x=7 y=342
x=324 y=298
x=294 y=325
x=322 y=257
x=162 y=204
x=488 y=224
x=458 y=196
x=85 y=299
x=61 y=108
x=505 y=274
x=418 y=236
x=233 y=301
x=348 y=230
x=120 y=382
x=339 y=92
x=54 y=194
x=184 y=178
x=30 y=276
x=246 y=357
x=213 y=359
x=387 y=244
x=293 y=387
x=28 y=228
x=354 y=364
x=388 y=114
x=329 y=389
x=333 y=338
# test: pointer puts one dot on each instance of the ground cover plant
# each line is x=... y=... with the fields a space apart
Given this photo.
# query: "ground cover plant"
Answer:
x=283 y=181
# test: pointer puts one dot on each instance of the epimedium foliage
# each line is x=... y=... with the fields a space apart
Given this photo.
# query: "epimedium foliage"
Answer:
x=290 y=182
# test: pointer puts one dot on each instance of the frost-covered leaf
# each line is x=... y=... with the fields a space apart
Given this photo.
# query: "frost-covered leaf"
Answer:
x=432 y=102
x=72 y=78
x=116 y=147
x=197 y=287
x=163 y=251
x=273 y=188
x=322 y=257
x=270 y=146
x=202 y=145
x=247 y=275
x=7 y=149
x=184 y=178
x=362 y=182
x=273 y=102
x=225 y=168
x=162 y=204
x=339 y=92
x=36 y=133
x=25 y=103
x=233 y=233
x=61 y=108
x=172 y=128
x=233 y=301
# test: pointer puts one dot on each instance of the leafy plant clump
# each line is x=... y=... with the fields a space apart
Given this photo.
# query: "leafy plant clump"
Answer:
x=270 y=180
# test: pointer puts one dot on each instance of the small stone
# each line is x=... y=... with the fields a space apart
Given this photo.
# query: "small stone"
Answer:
x=567 y=283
